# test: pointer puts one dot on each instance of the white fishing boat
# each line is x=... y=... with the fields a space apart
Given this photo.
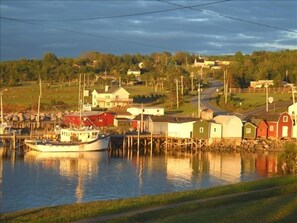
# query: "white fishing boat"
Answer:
x=81 y=139
x=72 y=140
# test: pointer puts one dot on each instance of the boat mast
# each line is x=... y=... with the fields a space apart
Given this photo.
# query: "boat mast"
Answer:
x=39 y=98
x=2 y=119
x=79 y=99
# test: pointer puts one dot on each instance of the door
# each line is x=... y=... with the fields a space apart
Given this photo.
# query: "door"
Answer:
x=285 y=131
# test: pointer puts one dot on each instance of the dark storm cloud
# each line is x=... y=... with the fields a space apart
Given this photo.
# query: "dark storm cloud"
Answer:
x=68 y=28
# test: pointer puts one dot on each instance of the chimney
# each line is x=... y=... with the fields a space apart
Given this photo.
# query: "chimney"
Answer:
x=106 y=88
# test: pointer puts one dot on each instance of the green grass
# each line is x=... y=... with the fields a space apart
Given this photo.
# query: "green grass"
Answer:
x=26 y=97
x=275 y=202
x=259 y=99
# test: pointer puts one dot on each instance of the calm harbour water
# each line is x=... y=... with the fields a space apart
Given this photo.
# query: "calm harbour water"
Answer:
x=47 y=179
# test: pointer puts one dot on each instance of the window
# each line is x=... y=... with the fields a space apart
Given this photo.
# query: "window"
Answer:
x=201 y=129
x=248 y=130
x=285 y=119
x=214 y=129
x=271 y=128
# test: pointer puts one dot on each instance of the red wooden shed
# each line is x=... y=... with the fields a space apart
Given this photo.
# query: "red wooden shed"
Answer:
x=92 y=118
x=262 y=127
x=285 y=125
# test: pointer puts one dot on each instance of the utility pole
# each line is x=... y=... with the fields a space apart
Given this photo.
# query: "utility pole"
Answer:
x=141 y=119
x=225 y=86
x=83 y=91
x=182 y=84
x=199 y=100
x=177 y=103
x=266 y=86
x=79 y=92
x=2 y=119
x=192 y=82
x=293 y=94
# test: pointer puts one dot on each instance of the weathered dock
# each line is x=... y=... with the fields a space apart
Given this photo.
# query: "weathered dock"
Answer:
x=149 y=144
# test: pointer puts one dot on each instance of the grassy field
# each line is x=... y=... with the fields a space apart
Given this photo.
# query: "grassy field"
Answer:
x=258 y=99
x=268 y=200
x=26 y=97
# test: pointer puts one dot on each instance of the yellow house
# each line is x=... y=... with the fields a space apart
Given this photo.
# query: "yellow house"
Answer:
x=111 y=97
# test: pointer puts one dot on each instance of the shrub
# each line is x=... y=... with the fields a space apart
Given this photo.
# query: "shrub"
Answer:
x=288 y=159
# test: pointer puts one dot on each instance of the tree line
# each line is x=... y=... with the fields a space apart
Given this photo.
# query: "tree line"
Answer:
x=160 y=70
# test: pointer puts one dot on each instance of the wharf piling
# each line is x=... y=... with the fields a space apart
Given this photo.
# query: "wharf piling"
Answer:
x=150 y=144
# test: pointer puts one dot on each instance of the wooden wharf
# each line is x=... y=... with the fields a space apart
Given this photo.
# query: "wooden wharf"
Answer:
x=149 y=144
x=124 y=144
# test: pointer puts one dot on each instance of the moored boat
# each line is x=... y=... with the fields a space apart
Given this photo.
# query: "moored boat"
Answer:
x=72 y=140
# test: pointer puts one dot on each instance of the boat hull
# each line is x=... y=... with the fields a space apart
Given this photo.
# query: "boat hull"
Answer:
x=99 y=144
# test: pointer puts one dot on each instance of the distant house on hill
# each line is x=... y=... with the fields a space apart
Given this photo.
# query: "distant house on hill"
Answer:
x=261 y=83
x=111 y=97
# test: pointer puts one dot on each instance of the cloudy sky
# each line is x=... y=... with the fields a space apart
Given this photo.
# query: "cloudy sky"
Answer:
x=68 y=28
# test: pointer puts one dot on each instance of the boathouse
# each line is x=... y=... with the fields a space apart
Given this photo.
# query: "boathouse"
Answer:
x=249 y=131
x=262 y=127
x=181 y=127
x=231 y=126
x=285 y=124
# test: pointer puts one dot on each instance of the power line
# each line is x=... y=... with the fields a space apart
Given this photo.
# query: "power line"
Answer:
x=230 y=17
x=115 y=16
x=90 y=34
x=34 y=22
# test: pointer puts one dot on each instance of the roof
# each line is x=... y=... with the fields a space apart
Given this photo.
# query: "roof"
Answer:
x=270 y=117
x=110 y=90
x=224 y=119
x=257 y=121
x=172 y=119
x=250 y=123
x=138 y=117
x=85 y=113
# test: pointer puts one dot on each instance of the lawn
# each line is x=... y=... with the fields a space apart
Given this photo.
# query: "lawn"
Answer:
x=26 y=97
x=259 y=99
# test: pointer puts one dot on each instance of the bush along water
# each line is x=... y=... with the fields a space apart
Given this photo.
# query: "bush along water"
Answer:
x=288 y=159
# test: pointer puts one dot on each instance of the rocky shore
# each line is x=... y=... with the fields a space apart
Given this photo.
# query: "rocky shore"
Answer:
x=248 y=145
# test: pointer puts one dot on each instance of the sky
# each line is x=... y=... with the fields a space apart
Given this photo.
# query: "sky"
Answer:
x=69 y=28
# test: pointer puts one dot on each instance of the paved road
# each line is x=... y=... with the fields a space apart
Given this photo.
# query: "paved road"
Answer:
x=207 y=94
x=211 y=91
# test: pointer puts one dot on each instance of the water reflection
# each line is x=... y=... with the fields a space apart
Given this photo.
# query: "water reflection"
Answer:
x=70 y=165
x=45 y=179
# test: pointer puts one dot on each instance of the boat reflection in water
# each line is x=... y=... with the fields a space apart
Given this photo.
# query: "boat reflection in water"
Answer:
x=71 y=165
